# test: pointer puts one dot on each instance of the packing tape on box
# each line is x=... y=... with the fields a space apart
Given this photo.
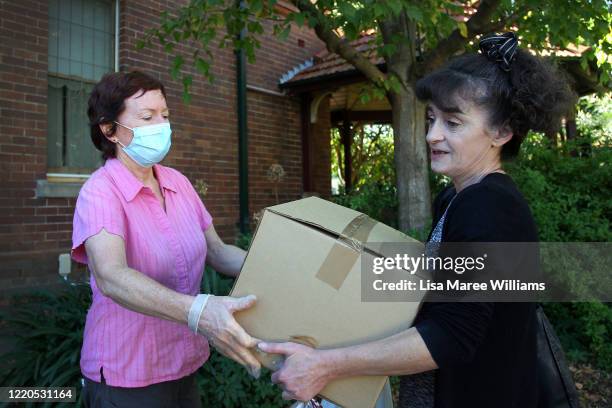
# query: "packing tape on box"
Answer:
x=346 y=251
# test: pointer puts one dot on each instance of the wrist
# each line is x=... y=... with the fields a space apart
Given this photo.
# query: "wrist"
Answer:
x=195 y=311
x=331 y=363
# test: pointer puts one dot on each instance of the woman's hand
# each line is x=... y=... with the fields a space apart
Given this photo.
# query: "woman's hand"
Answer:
x=303 y=374
x=225 y=334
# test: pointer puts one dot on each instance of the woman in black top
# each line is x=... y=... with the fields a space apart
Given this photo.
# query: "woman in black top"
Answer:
x=480 y=108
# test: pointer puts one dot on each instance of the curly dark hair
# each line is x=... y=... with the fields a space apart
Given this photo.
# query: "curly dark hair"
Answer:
x=532 y=95
x=107 y=102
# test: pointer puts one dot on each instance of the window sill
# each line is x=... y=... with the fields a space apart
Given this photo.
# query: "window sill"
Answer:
x=58 y=189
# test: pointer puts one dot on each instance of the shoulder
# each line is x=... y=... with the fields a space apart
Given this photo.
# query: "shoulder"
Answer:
x=99 y=182
x=492 y=210
x=495 y=193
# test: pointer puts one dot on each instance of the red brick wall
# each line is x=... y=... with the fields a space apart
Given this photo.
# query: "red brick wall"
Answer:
x=321 y=150
x=34 y=231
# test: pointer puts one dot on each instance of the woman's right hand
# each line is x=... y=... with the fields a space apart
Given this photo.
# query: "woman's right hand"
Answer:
x=225 y=334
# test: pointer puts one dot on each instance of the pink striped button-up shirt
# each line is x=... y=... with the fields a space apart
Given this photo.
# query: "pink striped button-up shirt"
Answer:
x=132 y=349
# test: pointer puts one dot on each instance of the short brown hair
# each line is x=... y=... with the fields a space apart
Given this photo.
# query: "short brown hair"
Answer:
x=107 y=102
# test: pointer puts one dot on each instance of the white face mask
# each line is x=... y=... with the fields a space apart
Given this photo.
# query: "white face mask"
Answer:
x=150 y=143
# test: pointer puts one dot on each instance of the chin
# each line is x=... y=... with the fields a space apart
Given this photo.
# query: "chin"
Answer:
x=436 y=168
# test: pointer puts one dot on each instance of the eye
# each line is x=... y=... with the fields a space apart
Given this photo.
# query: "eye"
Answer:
x=429 y=119
x=147 y=118
x=451 y=124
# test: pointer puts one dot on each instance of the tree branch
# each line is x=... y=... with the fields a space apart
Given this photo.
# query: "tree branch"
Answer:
x=340 y=46
x=479 y=23
x=404 y=56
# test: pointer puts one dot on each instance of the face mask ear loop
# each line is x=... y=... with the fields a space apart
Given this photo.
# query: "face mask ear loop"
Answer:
x=124 y=126
x=121 y=144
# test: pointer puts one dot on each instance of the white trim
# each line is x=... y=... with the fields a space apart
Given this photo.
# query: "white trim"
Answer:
x=68 y=175
x=264 y=91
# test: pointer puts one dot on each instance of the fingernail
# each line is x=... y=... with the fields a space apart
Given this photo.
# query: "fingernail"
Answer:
x=262 y=346
x=255 y=372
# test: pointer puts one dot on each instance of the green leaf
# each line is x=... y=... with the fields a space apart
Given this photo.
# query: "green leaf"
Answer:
x=299 y=19
x=177 y=64
x=284 y=34
x=414 y=12
x=202 y=66
x=463 y=30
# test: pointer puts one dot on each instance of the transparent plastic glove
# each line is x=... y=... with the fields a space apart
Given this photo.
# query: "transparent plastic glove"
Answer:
x=217 y=323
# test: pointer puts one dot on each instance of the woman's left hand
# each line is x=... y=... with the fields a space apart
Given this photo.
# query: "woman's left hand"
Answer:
x=304 y=372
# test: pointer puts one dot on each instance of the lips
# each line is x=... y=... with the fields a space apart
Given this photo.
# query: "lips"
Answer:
x=436 y=152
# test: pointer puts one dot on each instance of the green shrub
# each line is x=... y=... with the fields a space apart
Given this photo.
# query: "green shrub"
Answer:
x=378 y=200
x=222 y=382
x=48 y=331
x=584 y=329
x=48 y=326
x=569 y=195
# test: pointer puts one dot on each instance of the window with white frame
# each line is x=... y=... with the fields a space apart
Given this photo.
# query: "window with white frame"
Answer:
x=81 y=50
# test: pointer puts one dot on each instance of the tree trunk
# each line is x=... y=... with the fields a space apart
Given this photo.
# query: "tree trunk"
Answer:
x=411 y=162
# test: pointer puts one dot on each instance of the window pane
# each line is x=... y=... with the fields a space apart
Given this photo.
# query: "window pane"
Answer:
x=64 y=40
x=88 y=46
x=80 y=151
x=53 y=41
x=81 y=31
x=54 y=135
x=76 y=16
x=81 y=47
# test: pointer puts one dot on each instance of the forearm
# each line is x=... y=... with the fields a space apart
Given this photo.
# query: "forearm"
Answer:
x=401 y=354
x=227 y=259
x=138 y=292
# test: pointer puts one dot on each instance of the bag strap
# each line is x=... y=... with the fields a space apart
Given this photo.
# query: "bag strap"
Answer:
x=557 y=352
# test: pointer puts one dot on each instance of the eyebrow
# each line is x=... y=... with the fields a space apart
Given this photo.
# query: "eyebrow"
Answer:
x=153 y=110
x=447 y=109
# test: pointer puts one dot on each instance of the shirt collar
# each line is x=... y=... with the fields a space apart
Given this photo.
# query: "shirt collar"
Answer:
x=127 y=182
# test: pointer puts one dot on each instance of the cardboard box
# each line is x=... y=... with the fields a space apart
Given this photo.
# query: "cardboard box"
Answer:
x=304 y=265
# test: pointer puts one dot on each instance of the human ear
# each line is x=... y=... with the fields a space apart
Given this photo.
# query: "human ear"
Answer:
x=501 y=136
x=107 y=131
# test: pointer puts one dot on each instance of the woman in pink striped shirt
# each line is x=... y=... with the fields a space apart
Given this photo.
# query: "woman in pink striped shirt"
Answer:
x=146 y=235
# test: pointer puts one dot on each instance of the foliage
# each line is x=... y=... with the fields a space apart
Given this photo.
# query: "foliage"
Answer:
x=210 y=24
x=224 y=383
x=378 y=200
x=584 y=329
x=371 y=161
x=47 y=329
x=569 y=196
x=594 y=119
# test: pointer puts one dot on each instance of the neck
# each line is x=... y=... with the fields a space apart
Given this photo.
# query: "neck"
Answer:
x=463 y=181
x=144 y=174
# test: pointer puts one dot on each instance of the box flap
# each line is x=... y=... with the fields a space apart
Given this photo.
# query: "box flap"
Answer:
x=334 y=218
x=318 y=212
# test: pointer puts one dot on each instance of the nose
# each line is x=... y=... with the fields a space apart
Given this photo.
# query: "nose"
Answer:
x=434 y=134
